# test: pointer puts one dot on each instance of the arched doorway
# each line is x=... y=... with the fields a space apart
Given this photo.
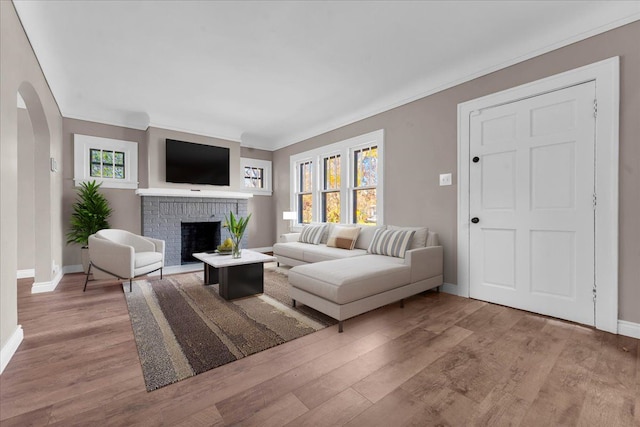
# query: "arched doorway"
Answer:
x=42 y=233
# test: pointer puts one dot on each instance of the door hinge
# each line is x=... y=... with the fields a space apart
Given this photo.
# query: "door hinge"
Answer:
x=595 y=108
x=595 y=201
x=595 y=293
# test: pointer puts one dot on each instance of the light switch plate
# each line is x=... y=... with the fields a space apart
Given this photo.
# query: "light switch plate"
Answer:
x=445 y=179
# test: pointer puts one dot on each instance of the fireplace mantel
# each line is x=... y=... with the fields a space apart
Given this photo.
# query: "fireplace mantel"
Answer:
x=179 y=192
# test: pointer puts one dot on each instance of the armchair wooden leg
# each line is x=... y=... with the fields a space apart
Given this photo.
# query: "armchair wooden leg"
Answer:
x=160 y=273
x=130 y=284
x=87 y=279
x=340 y=326
x=402 y=303
x=294 y=303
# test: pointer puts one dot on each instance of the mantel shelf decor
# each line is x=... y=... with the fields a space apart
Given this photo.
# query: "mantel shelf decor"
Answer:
x=181 y=192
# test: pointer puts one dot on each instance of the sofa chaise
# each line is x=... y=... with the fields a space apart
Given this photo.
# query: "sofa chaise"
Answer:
x=345 y=282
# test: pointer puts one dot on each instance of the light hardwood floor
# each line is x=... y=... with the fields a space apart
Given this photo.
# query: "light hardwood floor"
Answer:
x=442 y=360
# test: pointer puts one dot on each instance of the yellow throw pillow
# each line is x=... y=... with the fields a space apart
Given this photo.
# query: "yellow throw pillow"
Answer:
x=343 y=237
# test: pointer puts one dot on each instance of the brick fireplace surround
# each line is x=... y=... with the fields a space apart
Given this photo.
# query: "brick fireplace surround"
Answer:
x=163 y=212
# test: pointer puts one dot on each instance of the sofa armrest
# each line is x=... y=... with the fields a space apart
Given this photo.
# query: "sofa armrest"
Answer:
x=289 y=237
x=113 y=257
x=425 y=262
x=159 y=246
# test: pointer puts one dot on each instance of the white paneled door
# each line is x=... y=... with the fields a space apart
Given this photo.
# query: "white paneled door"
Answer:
x=532 y=204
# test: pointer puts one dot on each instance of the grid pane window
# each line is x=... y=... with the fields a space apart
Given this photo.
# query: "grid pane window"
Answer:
x=253 y=177
x=364 y=208
x=365 y=182
x=305 y=196
x=331 y=189
x=106 y=164
x=306 y=177
x=305 y=212
x=331 y=206
x=366 y=167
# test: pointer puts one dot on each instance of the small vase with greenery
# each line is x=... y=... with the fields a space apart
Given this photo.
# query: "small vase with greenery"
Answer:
x=236 y=227
x=91 y=211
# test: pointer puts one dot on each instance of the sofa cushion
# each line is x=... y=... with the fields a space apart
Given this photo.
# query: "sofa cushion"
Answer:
x=291 y=249
x=419 y=239
x=142 y=259
x=317 y=253
x=343 y=237
x=366 y=235
x=391 y=242
x=346 y=280
x=312 y=234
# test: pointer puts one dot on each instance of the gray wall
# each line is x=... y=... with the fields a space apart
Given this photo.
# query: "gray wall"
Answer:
x=421 y=143
x=156 y=158
x=261 y=227
x=125 y=203
x=20 y=71
x=26 y=192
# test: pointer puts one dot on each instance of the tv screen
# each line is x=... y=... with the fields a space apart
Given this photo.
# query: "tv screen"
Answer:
x=196 y=163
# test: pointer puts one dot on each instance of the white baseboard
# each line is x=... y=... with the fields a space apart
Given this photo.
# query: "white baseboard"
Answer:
x=9 y=349
x=25 y=274
x=629 y=329
x=40 y=287
x=449 y=288
x=77 y=268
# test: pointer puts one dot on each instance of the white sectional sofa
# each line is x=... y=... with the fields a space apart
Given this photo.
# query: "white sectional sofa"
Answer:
x=344 y=283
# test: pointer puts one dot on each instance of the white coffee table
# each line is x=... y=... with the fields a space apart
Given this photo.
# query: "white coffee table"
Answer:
x=237 y=277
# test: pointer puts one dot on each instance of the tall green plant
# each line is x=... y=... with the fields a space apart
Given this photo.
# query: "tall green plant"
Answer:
x=237 y=225
x=90 y=213
x=236 y=228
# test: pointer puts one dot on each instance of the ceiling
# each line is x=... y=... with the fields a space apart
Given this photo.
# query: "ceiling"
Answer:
x=269 y=74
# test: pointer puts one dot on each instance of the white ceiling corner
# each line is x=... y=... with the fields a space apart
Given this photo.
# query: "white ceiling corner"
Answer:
x=269 y=73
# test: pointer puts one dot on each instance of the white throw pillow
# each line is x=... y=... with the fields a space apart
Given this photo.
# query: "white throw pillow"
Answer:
x=343 y=237
x=419 y=239
x=366 y=235
x=311 y=234
x=391 y=242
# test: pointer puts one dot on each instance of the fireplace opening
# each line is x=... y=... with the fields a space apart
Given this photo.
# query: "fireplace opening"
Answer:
x=198 y=237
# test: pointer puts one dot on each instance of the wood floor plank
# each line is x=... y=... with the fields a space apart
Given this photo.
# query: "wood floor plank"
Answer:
x=335 y=412
x=255 y=398
x=383 y=381
x=324 y=388
x=610 y=397
x=563 y=394
x=394 y=409
x=209 y=417
x=78 y=366
x=280 y=412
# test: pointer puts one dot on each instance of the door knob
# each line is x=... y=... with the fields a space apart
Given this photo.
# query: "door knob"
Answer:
x=476 y=159
x=475 y=220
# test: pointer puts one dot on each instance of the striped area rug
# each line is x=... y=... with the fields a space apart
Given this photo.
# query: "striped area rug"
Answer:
x=183 y=328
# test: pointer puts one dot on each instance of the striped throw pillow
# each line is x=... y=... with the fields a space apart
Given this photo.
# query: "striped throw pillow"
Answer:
x=311 y=234
x=391 y=242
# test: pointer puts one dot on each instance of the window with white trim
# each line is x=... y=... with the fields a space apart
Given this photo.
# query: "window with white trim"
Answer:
x=256 y=176
x=341 y=182
x=331 y=178
x=304 y=192
x=112 y=162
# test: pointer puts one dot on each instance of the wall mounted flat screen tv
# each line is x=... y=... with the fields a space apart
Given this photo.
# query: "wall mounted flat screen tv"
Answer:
x=196 y=163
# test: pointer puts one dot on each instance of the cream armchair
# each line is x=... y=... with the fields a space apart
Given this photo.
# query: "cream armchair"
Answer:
x=124 y=255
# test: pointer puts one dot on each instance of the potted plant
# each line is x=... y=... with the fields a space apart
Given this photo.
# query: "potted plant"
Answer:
x=91 y=211
x=236 y=227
